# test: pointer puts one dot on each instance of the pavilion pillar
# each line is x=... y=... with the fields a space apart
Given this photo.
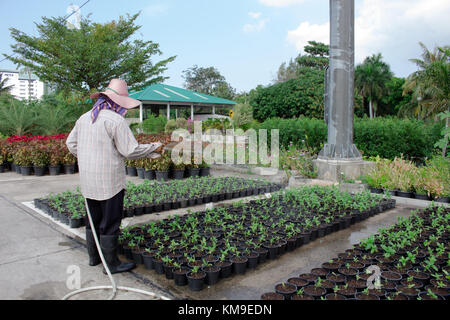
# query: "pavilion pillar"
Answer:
x=213 y=110
x=141 y=112
x=192 y=112
x=168 y=111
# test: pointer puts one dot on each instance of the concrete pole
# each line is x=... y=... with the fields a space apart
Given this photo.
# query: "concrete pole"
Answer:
x=341 y=83
x=141 y=113
x=168 y=111
x=192 y=112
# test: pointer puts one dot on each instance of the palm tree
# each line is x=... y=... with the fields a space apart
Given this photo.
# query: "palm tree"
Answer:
x=3 y=88
x=430 y=85
x=370 y=80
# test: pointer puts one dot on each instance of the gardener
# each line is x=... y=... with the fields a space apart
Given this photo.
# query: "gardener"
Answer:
x=101 y=140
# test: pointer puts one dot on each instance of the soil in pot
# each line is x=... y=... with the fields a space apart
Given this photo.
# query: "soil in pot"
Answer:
x=298 y=282
x=314 y=291
x=391 y=276
x=335 y=296
x=411 y=293
x=286 y=289
x=272 y=296
x=365 y=296
x=346 y=291
x=302 y=297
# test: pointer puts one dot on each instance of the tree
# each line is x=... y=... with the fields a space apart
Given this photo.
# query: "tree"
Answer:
x=208 y=81
x=371 y=78
x=430 y=85
x=394 y=99
x=317 y=56
x=4 y=89
x=86 y=59
x=286 y=72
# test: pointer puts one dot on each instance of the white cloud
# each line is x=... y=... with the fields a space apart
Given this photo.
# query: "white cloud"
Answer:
x=392 y=27
x=280 y=3
x=156 y=9
x=254 y=15
x=255 y=27
x=307 y=32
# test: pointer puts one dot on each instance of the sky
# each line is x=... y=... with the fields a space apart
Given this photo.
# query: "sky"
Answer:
x=247 y=40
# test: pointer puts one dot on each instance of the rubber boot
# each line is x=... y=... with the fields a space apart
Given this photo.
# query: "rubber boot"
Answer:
x=94 y=257
x=109 y=248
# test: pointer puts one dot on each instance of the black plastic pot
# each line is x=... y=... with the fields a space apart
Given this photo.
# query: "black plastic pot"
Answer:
x=253 y=260
x=193 y=172
x=239 y=265
x=26 y=170
x=404 y=194
x=16 y=168
x=147 y=259
x=421 y=196
x=137 y=257
x=196 y=282
x=158 y=265
x=204 y=172
x=162 y=175
x=226 y=268
x=140 y=173
x=212 y=274
x=178 y=174
x=149 y=174
x=2 y=168
x=75 y=223
x=39 y=171
x=54 y=170
x=132 y=172
x=138 y=211
x=180 y=276
x=286 y=289
x=443 y=199
x=168 y=271
x=69 y=168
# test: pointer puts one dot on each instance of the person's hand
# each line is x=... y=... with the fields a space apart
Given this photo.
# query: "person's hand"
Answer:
x=160 y=149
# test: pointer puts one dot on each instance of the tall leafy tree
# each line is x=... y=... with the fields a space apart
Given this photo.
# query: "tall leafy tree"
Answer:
x=208 y=81
x=371 y=78
x=4 y=89
x=430 y=84
x=86 y=59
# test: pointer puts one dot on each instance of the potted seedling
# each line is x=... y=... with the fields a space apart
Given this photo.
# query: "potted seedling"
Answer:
x=286 y=289
x=180 y=274
x=162 y=166
x=40 y=160
x=68 y=161
x=196 y=279
x=212 y=272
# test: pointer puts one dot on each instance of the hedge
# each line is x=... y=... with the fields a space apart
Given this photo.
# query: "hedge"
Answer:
x=384 y=137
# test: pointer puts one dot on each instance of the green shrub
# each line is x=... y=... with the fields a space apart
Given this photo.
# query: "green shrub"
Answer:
x=302 y=96
x=384 y=137
x=154 y=125
x=182 y=123
x=242 y=116
x=171 y=126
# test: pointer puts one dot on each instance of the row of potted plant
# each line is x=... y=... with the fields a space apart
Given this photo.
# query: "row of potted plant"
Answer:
x=38 y=155
x=147 y=198
x=203 y=247
x=412 y=259
x=403 y=178
x=163 y=168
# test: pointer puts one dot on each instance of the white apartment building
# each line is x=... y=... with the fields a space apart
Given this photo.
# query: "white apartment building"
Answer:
x=24 y=86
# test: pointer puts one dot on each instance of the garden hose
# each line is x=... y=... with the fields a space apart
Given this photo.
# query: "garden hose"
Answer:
x=113 y=285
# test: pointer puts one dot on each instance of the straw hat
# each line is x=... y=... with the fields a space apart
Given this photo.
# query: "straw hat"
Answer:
x=117 y=91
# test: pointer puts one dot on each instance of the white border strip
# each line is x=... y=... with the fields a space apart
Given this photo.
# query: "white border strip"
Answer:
x=179 y=94
x=163 y=94
x=200 y=96
x=79 y=232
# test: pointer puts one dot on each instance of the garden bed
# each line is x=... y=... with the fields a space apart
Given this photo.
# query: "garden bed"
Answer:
x=204 y=247
x=412 y=258
x=147 y=198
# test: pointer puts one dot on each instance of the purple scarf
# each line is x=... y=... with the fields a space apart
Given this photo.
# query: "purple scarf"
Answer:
x=104 y=103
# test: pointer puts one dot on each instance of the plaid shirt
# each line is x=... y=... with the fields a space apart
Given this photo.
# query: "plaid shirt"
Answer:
x=101 y=148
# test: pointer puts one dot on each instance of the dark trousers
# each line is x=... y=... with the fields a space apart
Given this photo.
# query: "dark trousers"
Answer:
x=106 y=215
